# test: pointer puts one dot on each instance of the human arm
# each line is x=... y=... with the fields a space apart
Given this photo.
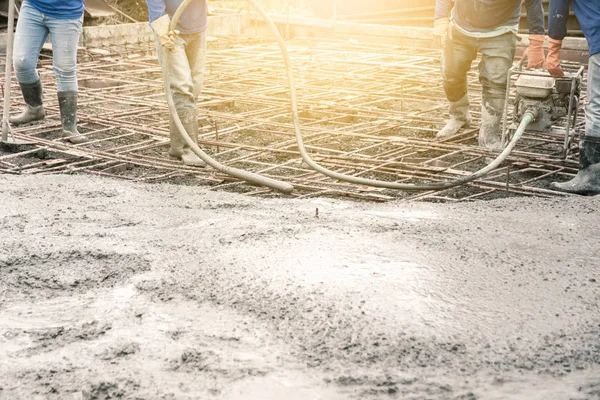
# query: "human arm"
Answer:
x=156 y=9
x=159 y=22
x=558 y=14
x=441 y=21
x=443 y=8
x=537 y=33
x=535 y=17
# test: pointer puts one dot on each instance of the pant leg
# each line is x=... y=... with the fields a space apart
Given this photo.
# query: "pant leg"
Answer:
x=180 y=74
x=30 y=35
x=497 y=55
x=459 y=53
x=196 y=54
x=592 y=111
x=181 y=86
x=64 y=34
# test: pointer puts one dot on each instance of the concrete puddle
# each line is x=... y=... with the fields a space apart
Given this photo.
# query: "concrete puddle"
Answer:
x=118 y=335
x=277 y=386
x=339 y=268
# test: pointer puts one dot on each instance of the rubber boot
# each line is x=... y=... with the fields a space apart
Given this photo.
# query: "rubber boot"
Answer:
x=490 y=133
x=179 y=149
x=34 y=110
x=459 y=118
x=67 y=102
x=587 y=180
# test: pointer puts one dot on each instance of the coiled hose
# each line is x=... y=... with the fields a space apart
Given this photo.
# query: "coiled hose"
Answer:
x=527 y=119
x=247 y=176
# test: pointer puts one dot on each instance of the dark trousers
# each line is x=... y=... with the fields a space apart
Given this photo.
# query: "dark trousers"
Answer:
x=497 y=54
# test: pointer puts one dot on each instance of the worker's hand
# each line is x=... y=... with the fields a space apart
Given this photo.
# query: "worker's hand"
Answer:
x=441 y=31
x=535 y=52
x=553 y=60
x=166 y=37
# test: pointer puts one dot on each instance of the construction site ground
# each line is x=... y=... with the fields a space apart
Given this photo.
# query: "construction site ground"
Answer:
x=114 y=289
x=126 y=275
x=366 y=110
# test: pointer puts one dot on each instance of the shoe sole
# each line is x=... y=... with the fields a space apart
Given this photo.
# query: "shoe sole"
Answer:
x=188 y=164
x=580 y=193
x=466 y=125
x=28 y=122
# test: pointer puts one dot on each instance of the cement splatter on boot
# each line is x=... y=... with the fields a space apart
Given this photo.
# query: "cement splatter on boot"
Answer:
x=587 y=180
x=459 y=118
x=67 y=103
x=179 y=148
x=34 y=109
x=490 y=133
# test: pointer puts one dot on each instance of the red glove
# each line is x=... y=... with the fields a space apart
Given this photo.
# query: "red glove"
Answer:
x=553 y=60
x=535 y=52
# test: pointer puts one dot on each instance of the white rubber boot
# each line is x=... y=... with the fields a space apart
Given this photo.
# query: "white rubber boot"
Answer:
x=179 y=149
x=490 y=133
x=459 y=118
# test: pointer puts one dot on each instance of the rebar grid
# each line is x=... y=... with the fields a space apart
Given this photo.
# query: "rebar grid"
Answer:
x=367 y=110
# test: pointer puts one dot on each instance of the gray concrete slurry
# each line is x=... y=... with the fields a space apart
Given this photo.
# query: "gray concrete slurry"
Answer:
x=110 y=289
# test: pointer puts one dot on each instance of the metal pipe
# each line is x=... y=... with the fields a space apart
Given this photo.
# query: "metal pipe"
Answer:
x=8 y=69
x=257 y=179
x=527 y=119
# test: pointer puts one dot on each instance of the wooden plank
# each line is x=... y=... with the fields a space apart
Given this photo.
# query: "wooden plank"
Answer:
x=98 y=9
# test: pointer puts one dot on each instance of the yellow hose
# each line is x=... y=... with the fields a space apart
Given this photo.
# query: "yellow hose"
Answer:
x=251 y=177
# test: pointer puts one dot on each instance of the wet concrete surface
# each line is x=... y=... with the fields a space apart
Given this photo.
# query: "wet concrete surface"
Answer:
x=110 y=289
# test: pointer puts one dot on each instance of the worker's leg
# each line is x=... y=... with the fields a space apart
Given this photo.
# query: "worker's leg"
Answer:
x=196 y=54
x=30 y=35
x=497 y=56
x=587 y=180
x=592 y=112
x=181 y=86
x=64 y=34
x=459 y=53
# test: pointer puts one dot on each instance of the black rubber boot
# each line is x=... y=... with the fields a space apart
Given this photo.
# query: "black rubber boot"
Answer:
x=587 y=180
x=34 y=110
x=67 y=102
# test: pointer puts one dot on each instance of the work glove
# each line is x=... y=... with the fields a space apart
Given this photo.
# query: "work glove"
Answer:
x=166 y=37
x=441 y=31
x=553 y=60
x=535 y=52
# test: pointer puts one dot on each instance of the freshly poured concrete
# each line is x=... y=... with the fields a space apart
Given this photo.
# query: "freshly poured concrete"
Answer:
x=110 y=289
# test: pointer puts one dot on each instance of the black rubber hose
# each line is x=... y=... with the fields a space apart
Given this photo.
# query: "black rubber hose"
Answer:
x=251 y=177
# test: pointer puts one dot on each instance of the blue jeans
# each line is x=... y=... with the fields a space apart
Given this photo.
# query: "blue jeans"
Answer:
x=592 y=111
x=32 y=30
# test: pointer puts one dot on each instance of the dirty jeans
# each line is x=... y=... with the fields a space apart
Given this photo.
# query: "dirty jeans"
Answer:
x=186 y=68
x=592 y=111
x=32 y=31
x=497 y=54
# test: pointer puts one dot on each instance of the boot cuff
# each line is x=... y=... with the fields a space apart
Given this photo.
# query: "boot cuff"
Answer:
x=589 y=151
